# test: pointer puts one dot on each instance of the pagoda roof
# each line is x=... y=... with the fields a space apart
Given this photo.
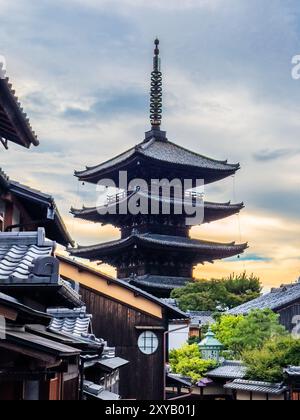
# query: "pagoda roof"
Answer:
x=14 y=123
x=159 y=282
x=212 y=211
x=203 y=251
x=161 y=151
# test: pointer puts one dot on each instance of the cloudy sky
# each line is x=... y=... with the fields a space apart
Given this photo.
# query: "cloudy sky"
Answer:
x=82 y=69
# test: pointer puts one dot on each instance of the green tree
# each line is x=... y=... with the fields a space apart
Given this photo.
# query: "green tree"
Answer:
x=187 y=362
x=210 y=295
x=268 y=362
x=242 y=333
x=225 y=329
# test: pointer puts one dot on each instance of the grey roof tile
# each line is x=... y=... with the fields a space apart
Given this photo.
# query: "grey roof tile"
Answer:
x=74 y=322
x=98 y=391
x=18 y=251
x=112 y=363
x=182 y=380
x=292 y=371
x=164 y=151
x=229 y=370
x=168 y=241
x=107 y=212
x=274 y=300
x=256 y=387
x=22 y=257
x=199 y=318
x=162 y=282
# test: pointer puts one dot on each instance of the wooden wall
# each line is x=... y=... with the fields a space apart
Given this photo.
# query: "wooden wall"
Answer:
x=289 y=314
x=143 y=378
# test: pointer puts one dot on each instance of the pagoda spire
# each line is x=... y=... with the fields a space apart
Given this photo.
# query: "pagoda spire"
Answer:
x=156 y=90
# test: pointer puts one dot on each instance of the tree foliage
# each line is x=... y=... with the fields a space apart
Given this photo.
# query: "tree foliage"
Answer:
x=268 y=362
x=210 y=295
x=243 y=333
x=187 y=362
x=258 y=339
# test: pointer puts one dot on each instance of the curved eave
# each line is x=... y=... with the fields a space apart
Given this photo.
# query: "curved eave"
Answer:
x=159 y=282
x=203 y=251
x=212 y=212
x=55 y=228
x=200 y=166
x=209 y=175
x=14 y=122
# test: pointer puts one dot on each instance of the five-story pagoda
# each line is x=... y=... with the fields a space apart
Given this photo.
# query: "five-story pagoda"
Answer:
x=155 y=251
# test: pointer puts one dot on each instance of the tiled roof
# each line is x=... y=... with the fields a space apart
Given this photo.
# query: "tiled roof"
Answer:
x=160 y=282
x=75 y=322
x=275 y=300
x=163 y=151
x=229 y=370
x=200 y=318
x=98 y=392
x=19 y=251
x=39 y=343
x=210 y=250
x=112 y=363
x=256 y=387
x=31 y=315
x=107 y=213
x=41 y=206
x=179 y=379
x=26 y=260
x=292 y=371
x=14 y=123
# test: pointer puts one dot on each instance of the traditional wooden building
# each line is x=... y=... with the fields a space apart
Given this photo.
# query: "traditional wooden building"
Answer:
x=33 y=367
x=29 y=271
x=85 y=367
x=155 y=252
x=243 y=390
x=292 y=379
x=14 y=123
x=100 y=370
x=133 y=321
x=23 y=208
x=284 y=301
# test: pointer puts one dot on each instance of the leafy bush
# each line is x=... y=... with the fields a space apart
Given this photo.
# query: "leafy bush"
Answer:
x=187 y=362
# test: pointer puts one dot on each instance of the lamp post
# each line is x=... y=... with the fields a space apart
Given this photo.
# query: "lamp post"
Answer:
x=210 y=347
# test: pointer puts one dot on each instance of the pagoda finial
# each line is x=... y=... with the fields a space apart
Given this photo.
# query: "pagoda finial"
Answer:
x=156 y=90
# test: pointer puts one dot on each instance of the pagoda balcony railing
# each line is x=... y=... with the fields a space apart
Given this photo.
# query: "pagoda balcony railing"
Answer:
x=116 y=198
x=111 y=199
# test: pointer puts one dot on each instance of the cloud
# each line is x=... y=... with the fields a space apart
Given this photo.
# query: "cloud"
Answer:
x=82 y=71
x=153 y=5
x=110 y=104
x=269 y=155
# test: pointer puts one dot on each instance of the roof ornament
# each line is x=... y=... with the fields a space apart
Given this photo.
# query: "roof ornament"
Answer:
x=156 y=99
x=156 y=90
